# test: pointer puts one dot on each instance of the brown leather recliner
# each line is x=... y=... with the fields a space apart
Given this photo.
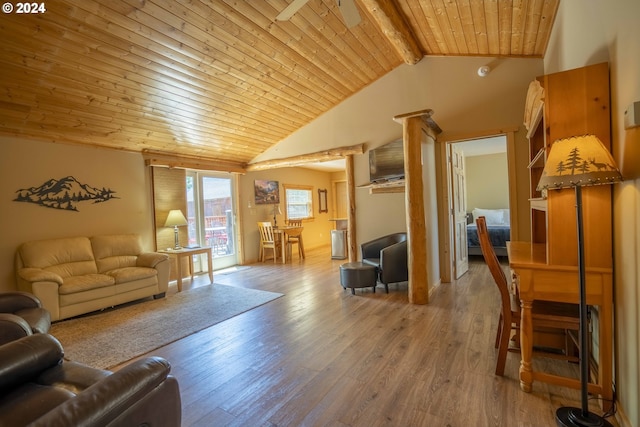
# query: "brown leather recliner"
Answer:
x=389 y=255
x=21 y=314
x=38 y=389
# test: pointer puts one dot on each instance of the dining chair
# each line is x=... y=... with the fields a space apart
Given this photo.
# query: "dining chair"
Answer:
x=268 y=241
x=294 y=237
x=547 y=316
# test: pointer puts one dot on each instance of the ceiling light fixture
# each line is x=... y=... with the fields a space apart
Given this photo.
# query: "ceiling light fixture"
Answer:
x=484 y=70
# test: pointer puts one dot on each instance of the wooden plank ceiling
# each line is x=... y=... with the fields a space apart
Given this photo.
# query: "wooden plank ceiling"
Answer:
x=222 y=79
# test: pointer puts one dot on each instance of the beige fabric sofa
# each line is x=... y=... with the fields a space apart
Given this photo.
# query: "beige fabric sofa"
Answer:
x=77 y=275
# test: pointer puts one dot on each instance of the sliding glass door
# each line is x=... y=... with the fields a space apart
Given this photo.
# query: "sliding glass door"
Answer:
x=211 y=215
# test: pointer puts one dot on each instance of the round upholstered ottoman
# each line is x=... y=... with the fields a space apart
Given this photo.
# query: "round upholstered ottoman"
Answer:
x=358 y=275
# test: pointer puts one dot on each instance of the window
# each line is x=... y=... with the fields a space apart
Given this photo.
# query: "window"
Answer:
x=298 y=200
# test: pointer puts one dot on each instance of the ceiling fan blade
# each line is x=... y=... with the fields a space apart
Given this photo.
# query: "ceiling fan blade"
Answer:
x=290 y=10
x=349 y=12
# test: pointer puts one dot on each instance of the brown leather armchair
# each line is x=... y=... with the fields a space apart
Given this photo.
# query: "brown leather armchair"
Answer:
x=389 y=255
x=38 y=388
x=21 y=314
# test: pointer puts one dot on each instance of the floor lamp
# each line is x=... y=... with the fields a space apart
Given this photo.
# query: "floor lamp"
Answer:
x=577 y=162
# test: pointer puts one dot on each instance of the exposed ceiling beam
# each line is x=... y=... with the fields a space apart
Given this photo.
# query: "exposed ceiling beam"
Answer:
x=159 y=158
x=385 y=13
x=320 y=156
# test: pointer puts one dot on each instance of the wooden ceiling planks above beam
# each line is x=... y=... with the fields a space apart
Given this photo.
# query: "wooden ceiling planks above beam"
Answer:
x=224 y=80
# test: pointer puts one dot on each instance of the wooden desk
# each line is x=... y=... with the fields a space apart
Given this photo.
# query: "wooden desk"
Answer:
x=189 y=252
x=537 y=280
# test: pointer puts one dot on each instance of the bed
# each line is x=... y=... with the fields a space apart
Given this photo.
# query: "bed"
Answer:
x=497 y=226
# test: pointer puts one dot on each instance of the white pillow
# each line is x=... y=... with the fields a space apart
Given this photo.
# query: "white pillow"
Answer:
x=506 y=216
x=492 y=216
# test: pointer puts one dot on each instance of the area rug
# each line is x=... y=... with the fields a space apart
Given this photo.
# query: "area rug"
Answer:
x=114 y=336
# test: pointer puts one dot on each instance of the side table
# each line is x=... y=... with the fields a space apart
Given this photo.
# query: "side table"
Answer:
x=189 y=252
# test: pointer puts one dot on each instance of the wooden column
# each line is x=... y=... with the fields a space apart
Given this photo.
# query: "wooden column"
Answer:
x=351 y=214
x=416 y=126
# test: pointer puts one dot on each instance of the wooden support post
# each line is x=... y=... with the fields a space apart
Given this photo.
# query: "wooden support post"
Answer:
x=414 y=202
x=351 y=201
x=416 y=127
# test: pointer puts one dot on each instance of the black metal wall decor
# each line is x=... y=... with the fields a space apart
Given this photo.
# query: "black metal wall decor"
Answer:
x=63 y=194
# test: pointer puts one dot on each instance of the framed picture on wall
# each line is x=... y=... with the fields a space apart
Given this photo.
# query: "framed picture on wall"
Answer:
x=322 y=198
x=266 y=192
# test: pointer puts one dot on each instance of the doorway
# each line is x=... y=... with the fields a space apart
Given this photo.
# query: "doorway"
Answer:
x=211 y=215
x=478 y=178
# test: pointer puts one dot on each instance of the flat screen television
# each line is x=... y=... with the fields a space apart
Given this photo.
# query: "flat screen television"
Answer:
x=386 y=163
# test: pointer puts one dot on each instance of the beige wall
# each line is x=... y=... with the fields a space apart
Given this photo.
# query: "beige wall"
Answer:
x=27 y=163
x=465 y=106
x=317 y=233
x=487 y=181
x=588 y=33
x=30 y=163
x=444 y=84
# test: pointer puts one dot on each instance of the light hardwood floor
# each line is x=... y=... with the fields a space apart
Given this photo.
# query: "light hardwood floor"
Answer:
x=320 y=356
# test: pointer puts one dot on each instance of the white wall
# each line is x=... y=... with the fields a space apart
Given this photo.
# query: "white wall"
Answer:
x=588 y=33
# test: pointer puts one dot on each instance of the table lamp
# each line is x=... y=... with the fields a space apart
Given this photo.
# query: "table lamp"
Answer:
x=576 y=162
x=276 y=210
x=176 y=219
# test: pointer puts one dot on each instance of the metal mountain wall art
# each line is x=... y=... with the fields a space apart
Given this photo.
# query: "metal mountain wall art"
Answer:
x=63 y=194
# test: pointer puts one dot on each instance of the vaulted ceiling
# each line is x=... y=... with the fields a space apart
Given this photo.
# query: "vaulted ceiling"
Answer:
x=223 y=79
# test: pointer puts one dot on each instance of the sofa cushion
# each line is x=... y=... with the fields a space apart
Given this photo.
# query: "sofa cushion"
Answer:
x=129 y=274
x=372 y=261
x=72 y=376
x=116 y=251
x=38 y=318
x=86 y=282
x=29 y=402
x=65 y=257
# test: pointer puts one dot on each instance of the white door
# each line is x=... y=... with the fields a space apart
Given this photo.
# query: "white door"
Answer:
x=459 y=211
x=341 y=210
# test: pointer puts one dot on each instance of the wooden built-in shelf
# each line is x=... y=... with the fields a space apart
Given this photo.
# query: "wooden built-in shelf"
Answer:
x=538 y=160
x=539 y=204
x=535 y=119
x=395 y=186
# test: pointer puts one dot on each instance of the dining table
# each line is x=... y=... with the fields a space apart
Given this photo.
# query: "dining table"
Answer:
x=281 y=234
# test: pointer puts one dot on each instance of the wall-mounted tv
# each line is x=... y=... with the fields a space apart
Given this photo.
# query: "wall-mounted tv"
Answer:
x=386 y=162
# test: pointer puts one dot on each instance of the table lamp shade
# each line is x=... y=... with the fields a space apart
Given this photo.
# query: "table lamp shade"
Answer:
x=578 y=161
x=175 y=219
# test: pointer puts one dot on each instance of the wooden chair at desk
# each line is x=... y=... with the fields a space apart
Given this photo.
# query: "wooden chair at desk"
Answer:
x=268 y=241
x=546 y=315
